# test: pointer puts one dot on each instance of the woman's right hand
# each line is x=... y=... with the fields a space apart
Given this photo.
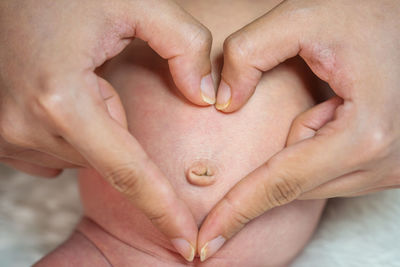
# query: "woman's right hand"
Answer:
x=55 y=112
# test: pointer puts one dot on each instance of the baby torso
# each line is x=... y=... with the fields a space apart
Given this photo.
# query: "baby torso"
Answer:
x=203 y=152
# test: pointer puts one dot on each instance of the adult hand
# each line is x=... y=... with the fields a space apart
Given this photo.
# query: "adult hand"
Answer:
x=56 y=112
x=346 y=146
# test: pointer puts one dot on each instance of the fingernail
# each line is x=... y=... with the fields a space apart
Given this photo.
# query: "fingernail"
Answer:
x=211 y=247
x=224 y=96
x=207 y=89
x=184 y=248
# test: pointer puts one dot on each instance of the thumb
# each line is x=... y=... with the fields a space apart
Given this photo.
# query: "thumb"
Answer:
x=107 y=145
x=296 y=169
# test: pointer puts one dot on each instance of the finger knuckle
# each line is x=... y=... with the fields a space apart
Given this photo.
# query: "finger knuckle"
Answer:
x=239 y=217
x=283 y=190
x=51 y=109
x=50 y=99
x=49 y=103
x=201 y=38
x=375 y=145
x=235 y=47
x=125 y=179
x=159 y=218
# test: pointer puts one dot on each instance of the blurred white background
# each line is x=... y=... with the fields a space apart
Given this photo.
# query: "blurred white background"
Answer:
x=38 y=214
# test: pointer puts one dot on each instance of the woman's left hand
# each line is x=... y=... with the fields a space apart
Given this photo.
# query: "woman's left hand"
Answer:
x=346 y=146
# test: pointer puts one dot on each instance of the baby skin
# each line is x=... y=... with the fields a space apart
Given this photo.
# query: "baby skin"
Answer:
x=202 y=152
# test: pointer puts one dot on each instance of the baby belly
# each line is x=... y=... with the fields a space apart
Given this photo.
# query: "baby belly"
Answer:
x=204 y=153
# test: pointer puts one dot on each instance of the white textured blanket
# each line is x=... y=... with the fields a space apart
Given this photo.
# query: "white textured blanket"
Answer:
x=37 y=214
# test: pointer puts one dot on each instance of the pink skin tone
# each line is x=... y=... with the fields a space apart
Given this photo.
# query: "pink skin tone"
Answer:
x=202 y=152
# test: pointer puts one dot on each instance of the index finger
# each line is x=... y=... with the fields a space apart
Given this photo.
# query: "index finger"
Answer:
x=256 y=48
x=178 y=37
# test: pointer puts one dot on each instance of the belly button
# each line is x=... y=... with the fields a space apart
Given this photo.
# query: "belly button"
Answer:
x=201 y=173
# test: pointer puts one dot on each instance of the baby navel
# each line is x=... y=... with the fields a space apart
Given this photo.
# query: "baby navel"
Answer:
x=201 y=173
